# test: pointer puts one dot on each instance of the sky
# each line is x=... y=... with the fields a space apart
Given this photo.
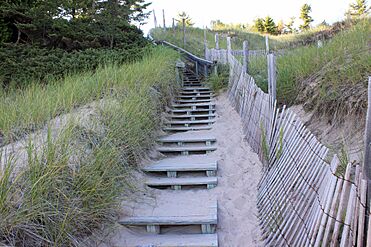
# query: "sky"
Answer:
x=245 y=11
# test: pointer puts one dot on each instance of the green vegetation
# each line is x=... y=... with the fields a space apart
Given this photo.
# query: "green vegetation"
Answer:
x=72 y=184
x=219 y=81
x=331 y=80
x=25 y=110
x=358 y=9
x=305 y=16
x=49 y=39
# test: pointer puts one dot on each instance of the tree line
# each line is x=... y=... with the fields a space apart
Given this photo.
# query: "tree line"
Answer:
x=69 y=35
x=270 y=26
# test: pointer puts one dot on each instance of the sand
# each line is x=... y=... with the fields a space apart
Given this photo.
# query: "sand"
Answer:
x=239 y=171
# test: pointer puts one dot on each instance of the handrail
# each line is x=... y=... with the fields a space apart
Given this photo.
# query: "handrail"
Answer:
x=194 y=57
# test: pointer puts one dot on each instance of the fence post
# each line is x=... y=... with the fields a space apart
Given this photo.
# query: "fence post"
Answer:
x=217 y=41
x=266 y=44
x=163 y=18
x=205 y=43
x=184 y=33
x=246 y=56
x=154 y=18
x=366 y=171
x=196 y=68
x=229 y=48
x=179 y=69
x=272 y=75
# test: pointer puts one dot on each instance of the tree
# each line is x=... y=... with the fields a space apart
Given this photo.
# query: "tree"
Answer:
x=187 y=19
x=269 y=25
x=289 y=26
x=305 y=17
x=280 y=27
x=259 y=24
x=357 y=9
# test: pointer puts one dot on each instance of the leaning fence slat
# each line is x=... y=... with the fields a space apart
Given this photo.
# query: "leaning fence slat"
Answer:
x=362 y=213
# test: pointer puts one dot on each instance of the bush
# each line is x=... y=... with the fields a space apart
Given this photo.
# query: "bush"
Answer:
x=20 y=65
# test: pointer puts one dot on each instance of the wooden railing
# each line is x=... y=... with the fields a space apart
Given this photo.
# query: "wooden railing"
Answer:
x=201 y=66
x=303 y=199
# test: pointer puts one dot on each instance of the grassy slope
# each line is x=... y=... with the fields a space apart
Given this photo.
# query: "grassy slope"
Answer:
x=195 y=39
x=72 y=183
x=330 y=80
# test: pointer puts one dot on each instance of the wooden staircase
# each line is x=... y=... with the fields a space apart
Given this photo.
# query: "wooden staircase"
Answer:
x=187 y=165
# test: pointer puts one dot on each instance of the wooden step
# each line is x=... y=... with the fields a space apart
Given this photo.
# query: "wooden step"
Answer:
x=194 y=117
x=195 y=89
x=192 y=111
x=195 y=96
x=192 y=84
x=189 y=137
x=179 y=210
x=206 y=105
x=177 y=183
x=193 y=100
x=186 y=150
x=186 y=128
x=196 y=93
x=190 y=163
x=189 y=122
x=171 y=240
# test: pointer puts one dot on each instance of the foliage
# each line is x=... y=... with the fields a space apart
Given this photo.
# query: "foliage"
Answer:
x=331 y=80
x=220 y=80
x=259 y=24
x=22 y=64
x=305 y=16
x=358 y=9
x=52 y=38
x=183 y=16
x=73 y=183
x=269 y=25
x=289 y=26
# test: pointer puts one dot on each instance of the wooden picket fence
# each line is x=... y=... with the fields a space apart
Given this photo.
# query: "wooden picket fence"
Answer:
x=302 y=200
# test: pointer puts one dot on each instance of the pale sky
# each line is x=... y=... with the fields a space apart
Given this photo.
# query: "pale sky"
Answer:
x=243 y=11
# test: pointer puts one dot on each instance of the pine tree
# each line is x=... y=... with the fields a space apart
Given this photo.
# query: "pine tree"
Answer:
x=289 y=26
x=187 y=19
x=305 y=17
x=259 y=24
x=280 y=27
x=357 y=9
x=269 y=25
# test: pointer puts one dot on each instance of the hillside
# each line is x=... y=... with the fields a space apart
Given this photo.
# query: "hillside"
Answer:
x=340 y=66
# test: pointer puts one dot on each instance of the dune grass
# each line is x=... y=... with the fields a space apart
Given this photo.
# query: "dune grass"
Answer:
x=22 y=110
x=73 y=182
x=331 y=79
x=256 y=41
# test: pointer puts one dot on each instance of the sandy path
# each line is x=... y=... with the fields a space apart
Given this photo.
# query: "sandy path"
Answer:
x=239 y=170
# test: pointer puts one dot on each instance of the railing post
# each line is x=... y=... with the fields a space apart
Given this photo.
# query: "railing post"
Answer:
x=179 y=66
x=196 y=68
x=174 y=25
x=217 y=41
x=206 y=73
x=154 y=18
x=246 y=56
x=184 y=33
x=205 y=43
x=266 y=44
x=163 y=17
x=229 y=48
x=272 y=75
x=366 y=169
